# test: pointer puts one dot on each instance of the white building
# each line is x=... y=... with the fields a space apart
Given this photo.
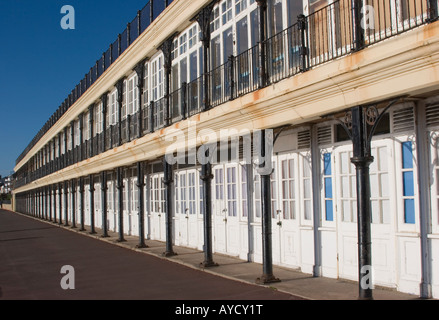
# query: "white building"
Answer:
x=303 y=80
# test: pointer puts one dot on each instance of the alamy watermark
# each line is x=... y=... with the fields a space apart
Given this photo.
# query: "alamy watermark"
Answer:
x=68 y=20
x=367 y=273
x=68 y=281
x=245 y=146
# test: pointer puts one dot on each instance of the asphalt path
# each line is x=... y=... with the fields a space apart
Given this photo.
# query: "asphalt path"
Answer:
x=33 y=253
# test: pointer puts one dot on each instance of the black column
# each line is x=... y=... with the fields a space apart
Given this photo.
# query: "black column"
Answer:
x=104 y=189
x=44 y=202
x=104 y=100
x=73 y=191
x=362 y=159
x=66 y=204
x=204 y=19
x=119 y=87
x=120 y=187
x=168 y=181
x=432 y=10
x=92 y=204
x=263 y=74
x=55 y=220
x=140 y=71
x=72 y=142
x=90 y=127
x=81 y=194
x=81 y=137
x=265 y=170
x=60 y=203
x=357 y=30
x=140 y=186
x=166 y=48
x=66 y=148
x=206 y=177
x=49 y=198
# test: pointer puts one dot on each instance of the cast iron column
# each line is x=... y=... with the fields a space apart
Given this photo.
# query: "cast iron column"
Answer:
x=73 y=191
x=168 y=181
x=90 y=127
x=166 y=48
x=120 y=188
x=362 y=159
x=66 y=204
x=92 y=204
x=55 y=220
x=432 y=10
x=265 y=170
x=140 y=71
x=81 y=199
x=49 y=205
x=140 y=186
x=206 y=177
x=104 y=100
x=119 y=87
x=357 y=30
x=204 y=19
x=60 y=203
x=104 y=188
x=81 y=137
x=263 y=75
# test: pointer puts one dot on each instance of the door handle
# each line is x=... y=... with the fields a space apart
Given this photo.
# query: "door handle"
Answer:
x=279 y=223
x=225 y=219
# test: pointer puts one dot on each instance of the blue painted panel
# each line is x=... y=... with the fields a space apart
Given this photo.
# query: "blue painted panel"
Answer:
x=409 y=189
x=329 y=210
x=407 y=155
x=327 y=164
x=409 y=211
x=328 y=187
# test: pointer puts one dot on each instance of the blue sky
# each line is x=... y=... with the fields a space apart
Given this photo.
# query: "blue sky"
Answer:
x=40 y=63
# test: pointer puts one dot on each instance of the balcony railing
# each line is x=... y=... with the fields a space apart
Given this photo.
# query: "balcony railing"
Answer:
x=134 y=29
x=323 y=36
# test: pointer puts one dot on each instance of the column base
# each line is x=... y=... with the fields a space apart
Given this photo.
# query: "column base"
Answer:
x=121 y=240
x=168 y=254
x=142 y=246
x=208 y=264
x=265 y=279
x=93 y=232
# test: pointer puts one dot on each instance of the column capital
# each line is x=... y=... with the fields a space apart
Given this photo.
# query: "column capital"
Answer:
x=204 y=19
x=166 y=48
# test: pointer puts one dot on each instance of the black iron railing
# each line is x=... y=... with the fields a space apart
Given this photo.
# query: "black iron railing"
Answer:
x=134 y=29
x=323 y=36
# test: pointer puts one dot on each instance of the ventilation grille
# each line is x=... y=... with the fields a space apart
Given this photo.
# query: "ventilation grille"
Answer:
x=403 y=120
x=432 y=115
x=304 y=139
x=324 y=135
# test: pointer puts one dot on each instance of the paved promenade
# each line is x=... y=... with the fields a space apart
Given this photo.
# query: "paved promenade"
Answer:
x=32 y=253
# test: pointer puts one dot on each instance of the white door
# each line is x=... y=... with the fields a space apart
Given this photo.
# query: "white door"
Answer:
x=382 y=207
x=181 y=208
x=158 y=216
x=112 y=204
x=134 y=213
x=227 y=233
x=192 y=196
x=98 y=204
x=87 y=203
x=285 y=211
x=219 y=211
